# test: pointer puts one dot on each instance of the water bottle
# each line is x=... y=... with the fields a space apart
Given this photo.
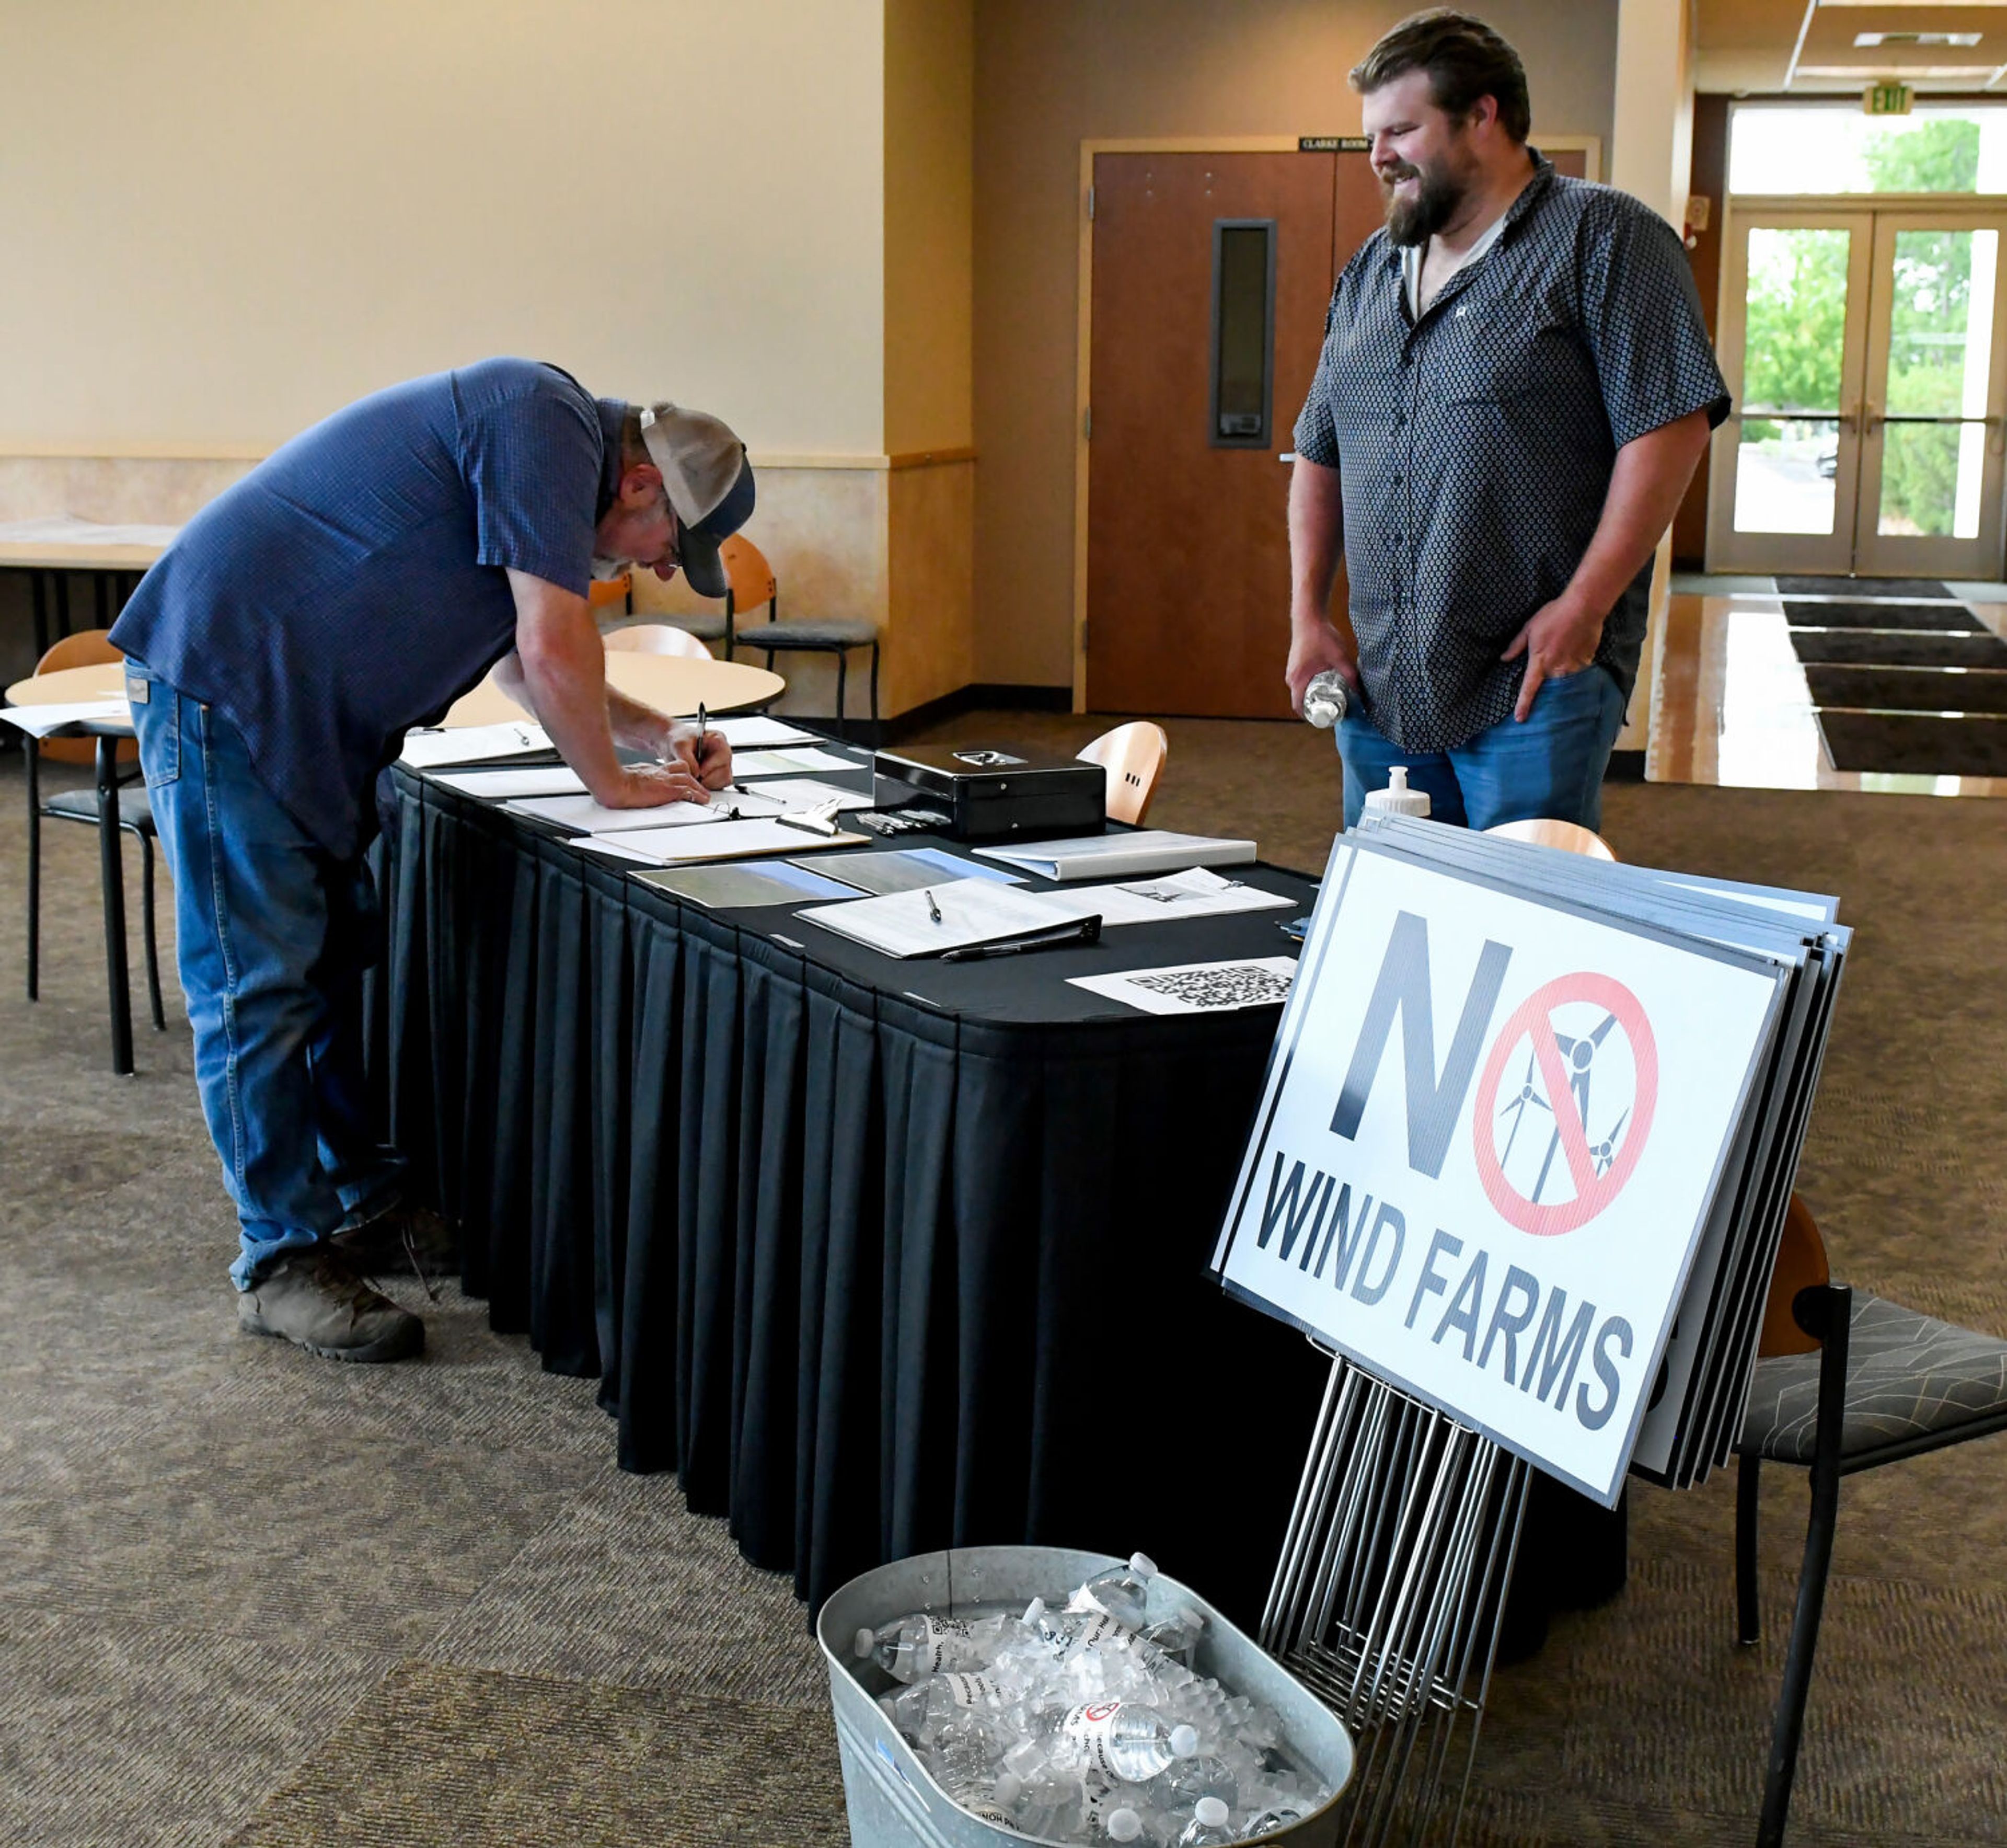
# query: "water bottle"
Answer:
x=1207 y=1828
x=915 y=1647
x=920 y=1707
x=1117 y=1738
x=1119 y=1592
x=1269 y=1820
x=1326 y=698
x=1210 y=1774
x=1397 y=798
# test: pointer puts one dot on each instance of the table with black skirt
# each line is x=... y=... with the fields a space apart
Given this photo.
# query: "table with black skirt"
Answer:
x=878 y=1255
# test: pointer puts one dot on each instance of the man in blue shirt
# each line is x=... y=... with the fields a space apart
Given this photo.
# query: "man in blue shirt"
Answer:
x=352 y=586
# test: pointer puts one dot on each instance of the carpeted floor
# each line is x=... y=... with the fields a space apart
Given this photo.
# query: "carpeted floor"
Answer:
x=251 y=1597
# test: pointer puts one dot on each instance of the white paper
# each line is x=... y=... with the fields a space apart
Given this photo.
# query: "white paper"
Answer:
x=900 y=923
x=1097 y=856
x=724 y=840
x=756 y=733
x=504 y=785
x=39 y=721
x=583 y=813
x=787 y=763
x=805 y=792
x=1197 y=893
x=1197 y=987
x=473 y=743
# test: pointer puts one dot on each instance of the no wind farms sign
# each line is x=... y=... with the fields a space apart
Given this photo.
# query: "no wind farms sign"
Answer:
x=1487 y=1143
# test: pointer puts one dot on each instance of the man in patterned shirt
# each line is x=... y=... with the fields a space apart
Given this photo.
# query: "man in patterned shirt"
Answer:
x=351 y=586
x=1515 y=387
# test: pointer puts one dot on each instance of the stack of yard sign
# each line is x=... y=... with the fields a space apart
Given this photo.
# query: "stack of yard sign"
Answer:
x=1522 y=1163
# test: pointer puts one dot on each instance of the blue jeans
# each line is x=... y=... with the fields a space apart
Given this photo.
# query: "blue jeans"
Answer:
x=273 y=934
x=1551 y=766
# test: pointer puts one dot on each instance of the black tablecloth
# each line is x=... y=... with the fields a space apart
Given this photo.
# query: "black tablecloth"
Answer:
x=878 y=1255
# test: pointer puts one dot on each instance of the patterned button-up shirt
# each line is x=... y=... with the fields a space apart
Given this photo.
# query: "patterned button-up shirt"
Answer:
x=1475 y=445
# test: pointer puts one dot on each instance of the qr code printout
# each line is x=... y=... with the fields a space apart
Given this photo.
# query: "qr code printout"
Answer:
x=1228 y=985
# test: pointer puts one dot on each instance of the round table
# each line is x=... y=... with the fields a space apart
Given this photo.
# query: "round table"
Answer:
x=672 y=683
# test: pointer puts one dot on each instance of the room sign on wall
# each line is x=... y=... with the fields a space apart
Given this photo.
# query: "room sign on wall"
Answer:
x=1491 y=1134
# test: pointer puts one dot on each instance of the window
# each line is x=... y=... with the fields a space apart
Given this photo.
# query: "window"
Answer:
x=1801 y=147
x=1243 y=331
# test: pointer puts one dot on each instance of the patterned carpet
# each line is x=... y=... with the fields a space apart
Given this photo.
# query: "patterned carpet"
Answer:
x=253 y=1598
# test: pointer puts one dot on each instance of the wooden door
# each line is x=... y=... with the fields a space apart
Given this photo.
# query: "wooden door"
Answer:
x=1188 y=552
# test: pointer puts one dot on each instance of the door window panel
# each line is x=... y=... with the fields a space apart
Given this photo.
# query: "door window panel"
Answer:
x=1940 y=352
x=1795 y=350
x=1243 y=328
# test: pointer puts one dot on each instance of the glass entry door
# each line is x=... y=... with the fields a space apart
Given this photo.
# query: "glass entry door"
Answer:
x=1864 y=349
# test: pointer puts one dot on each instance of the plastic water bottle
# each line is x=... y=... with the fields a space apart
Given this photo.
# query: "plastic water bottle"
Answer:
x=1207 y=1828
x=1117 y=1738
x=1397 y=798
x=1210 y=1774
x=921 y=1709
x=1326 y=698
x=916 y=1647
x=1269 y=1820
x=1119 y=1592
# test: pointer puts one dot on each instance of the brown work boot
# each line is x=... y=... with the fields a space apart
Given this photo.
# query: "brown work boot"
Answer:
x=403 y=1241
x=315 y=1298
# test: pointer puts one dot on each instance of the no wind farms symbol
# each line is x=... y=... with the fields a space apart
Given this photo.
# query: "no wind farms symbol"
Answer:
x=1557 y=1139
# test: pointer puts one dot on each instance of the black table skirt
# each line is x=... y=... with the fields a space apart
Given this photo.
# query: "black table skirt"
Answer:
x=872 y=1277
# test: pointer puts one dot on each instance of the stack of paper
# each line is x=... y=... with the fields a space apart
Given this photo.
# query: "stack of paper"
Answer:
x=1529 y=1136
x=906 y=869
x=807 y=761
x=1121 y=855
x=758 y=733
x=1197 y=893
x=932 y=918
x=723 y=840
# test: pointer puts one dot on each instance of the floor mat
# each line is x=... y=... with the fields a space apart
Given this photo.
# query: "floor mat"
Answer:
x=1919 y=650
x=1945 y=616
x=1907 y=689
x=1915 y=743
x=1861 y=587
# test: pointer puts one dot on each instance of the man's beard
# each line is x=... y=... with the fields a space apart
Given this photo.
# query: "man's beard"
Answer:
x=1435 y=200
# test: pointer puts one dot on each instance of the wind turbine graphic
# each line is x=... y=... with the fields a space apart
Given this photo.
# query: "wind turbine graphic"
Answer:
x=1517 y=1109
x=1580 y=1054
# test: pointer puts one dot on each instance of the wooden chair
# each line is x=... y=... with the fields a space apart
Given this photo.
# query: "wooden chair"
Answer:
x=1133 y=757
x=1570 y=837
x=1843 y=1382
x=603 y=593
x=752 y=582
x=656 y=638
x=86 y=648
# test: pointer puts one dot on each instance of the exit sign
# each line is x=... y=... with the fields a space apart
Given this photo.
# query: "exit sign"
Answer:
x=1887 y=99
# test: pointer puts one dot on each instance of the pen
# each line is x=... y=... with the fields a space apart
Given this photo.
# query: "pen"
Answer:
x=933 y=910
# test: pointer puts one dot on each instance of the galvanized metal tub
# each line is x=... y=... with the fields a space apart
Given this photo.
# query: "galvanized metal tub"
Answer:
x=894 y=1802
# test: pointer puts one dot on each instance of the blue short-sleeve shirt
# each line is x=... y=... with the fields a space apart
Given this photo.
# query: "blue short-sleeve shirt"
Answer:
x=353 y=584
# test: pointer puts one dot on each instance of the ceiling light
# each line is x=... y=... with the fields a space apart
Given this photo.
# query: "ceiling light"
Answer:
x=1861 y=39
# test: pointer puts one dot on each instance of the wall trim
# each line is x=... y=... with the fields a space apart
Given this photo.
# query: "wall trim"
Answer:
x=930 y=458
x=979 y=696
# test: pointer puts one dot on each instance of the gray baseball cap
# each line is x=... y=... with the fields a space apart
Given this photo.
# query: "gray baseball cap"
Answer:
x=710 y=485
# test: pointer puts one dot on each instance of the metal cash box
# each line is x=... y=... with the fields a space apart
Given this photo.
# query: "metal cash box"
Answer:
x=992 y=793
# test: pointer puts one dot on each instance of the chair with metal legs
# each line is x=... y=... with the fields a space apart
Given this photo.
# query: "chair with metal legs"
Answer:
x=135 y=814
x=1844 y=1382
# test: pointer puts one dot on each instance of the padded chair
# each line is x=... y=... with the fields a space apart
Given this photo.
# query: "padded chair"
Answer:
x=1843 y=1382
x=1570 y=837
x=752 y=582
x=656 y=638
x=86 y=648
x=1133 y=757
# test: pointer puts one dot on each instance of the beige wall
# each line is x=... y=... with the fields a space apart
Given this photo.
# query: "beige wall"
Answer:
x=1051 y=75
x=224 y=219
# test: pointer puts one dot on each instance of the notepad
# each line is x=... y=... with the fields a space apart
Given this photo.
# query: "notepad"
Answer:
x=1121 y=855
x=972 y=911
x=584 y=815
x=1195 y=893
